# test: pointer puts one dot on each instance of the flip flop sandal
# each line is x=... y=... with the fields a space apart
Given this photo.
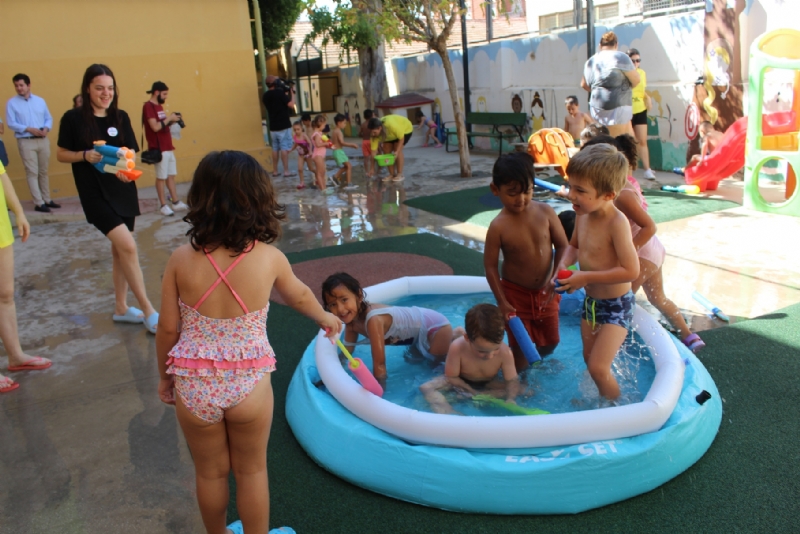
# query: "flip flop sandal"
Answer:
x=36 y=364
x=132 y=316
x=282 y=530
x=7 y=385
x=151 y=323
x=694 y=342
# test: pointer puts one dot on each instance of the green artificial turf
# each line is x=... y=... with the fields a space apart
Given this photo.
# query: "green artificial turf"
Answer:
x=749 y=481
x=478 y=206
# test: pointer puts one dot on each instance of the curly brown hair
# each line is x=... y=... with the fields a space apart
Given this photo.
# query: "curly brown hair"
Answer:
x=232 y=203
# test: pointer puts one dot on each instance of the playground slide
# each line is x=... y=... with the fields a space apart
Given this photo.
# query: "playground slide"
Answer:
x=724 y=161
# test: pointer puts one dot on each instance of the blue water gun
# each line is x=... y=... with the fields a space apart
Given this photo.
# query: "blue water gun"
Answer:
x=523 y=339
x=710 y=307
x=116 y=160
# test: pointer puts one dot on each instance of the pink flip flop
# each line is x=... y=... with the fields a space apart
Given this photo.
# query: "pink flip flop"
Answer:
x=36 y=364
x=7 y=385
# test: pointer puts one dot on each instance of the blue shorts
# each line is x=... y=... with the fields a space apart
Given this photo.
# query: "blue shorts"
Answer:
x=282 y=140
x=618 y=311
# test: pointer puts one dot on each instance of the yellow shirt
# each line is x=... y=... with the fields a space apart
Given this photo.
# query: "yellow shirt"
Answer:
x=6 y=234
x=638 y=93
x=396 y=127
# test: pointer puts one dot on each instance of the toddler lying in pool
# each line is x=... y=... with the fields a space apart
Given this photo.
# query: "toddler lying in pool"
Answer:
x=428 y=331
x=474 y=361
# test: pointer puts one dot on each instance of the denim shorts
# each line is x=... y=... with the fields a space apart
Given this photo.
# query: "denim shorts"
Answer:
x=282 y=140
x=618 y=311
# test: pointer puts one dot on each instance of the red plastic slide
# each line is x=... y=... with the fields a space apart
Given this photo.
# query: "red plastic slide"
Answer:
x=724 y=161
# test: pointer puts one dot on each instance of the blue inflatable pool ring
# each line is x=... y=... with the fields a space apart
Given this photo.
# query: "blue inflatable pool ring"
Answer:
x=522 y=464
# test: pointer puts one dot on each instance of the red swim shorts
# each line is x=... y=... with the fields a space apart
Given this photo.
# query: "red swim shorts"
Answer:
x=539 y=316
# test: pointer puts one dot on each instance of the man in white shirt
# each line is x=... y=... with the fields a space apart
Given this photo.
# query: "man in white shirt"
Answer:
x=30 y=120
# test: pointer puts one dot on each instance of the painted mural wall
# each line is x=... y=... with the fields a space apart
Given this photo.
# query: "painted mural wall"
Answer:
x=536 y=74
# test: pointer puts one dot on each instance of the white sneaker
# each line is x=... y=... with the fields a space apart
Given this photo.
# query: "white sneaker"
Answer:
x=179 y=206
x=166 y=211
x=350 y=187
x=649 y=174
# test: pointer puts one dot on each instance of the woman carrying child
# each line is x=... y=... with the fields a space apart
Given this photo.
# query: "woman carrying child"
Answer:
x=651 y=252
x=303 y=145
x=427 y=330
x=214 y=352
x=432 y=129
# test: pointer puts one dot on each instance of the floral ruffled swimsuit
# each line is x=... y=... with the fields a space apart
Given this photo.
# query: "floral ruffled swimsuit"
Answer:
x=217 y=362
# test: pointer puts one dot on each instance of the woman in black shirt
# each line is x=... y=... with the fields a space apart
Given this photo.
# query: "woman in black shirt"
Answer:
x=109 y=202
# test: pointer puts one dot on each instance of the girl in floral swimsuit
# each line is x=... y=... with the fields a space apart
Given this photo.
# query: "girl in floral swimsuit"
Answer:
x=212 y=349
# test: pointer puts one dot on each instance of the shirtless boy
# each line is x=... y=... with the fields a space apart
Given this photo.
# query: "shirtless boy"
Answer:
x=576 y=120
x=474 y=361
x=337 y=139
x=526 y=232
x=602 y=244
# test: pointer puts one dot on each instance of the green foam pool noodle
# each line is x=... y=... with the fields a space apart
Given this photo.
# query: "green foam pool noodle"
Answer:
x=510 y=406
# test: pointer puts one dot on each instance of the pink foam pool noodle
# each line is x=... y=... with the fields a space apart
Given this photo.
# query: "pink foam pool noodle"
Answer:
x=361 y=372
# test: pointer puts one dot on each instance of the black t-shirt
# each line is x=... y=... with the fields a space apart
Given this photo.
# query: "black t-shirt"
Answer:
x=95 y=186
x=276 y=100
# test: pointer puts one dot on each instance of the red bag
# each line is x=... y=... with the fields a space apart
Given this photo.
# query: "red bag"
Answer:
x=549 y=145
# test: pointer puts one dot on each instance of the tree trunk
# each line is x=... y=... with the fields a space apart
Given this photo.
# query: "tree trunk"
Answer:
x=461 y=128
x=373 y=74
x=371 y=62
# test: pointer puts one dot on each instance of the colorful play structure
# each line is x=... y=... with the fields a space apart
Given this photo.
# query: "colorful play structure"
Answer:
x=760 y=137
x=778 y=136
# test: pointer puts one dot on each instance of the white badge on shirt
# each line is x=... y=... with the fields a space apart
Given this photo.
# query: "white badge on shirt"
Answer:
x=112 y=132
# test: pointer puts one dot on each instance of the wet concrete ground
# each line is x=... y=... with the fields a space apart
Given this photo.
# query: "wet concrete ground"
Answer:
x=86 y=446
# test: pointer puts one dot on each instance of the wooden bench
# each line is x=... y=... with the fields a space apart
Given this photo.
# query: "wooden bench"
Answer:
x=496 y=121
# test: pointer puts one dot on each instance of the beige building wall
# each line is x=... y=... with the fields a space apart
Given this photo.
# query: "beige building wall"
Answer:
x=202 y=49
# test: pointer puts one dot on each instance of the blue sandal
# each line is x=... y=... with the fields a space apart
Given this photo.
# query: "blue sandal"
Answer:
x=151 y=322
x=133 y=316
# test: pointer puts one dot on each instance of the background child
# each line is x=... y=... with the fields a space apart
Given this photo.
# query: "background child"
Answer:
x=319 y=150
x=593 y=130
x=632 y=204
x=341 y=159
x=17 y=359
x=432 y=129
x=427 y=330
x=366 y=142
x=602 y=243
x=474 y=361
x=526 y=232
x=303 y=145
x=219 y=359
x=305 y=118
x=710 y=138
x=576 y=120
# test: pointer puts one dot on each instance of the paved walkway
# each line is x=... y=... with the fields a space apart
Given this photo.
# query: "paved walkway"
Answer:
x=86 y=445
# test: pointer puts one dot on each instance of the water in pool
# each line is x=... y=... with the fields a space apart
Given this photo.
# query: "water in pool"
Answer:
x=559 y=384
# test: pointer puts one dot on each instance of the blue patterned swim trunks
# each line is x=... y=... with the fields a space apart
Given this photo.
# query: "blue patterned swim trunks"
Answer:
x=618 y=311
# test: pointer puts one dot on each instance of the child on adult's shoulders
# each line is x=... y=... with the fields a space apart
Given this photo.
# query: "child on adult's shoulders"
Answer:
x=532 y=240
x=474 y=362
x=603 y=245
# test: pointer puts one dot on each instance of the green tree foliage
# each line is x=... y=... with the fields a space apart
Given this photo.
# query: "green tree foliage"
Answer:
x=430 y=22
x=353 y=27
x=277 y=19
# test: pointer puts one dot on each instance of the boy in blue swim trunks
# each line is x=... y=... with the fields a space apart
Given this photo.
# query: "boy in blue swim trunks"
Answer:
x=602 y=244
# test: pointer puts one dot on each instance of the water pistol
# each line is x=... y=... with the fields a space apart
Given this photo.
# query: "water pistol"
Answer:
x=116 y=161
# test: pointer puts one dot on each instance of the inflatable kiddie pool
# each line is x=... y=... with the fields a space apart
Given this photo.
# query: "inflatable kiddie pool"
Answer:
x=545 y=464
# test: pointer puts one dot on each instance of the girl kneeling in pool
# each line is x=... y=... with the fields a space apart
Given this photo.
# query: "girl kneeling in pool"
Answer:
x=427 y=330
